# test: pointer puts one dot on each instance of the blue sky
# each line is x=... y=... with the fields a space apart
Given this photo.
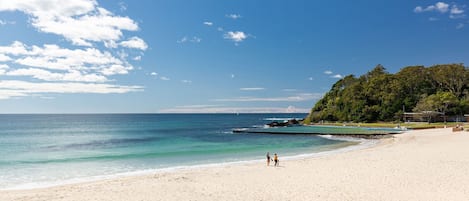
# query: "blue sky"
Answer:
x=209 y=56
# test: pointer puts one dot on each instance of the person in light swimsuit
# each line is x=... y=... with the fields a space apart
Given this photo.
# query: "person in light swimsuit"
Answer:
x=268 y=159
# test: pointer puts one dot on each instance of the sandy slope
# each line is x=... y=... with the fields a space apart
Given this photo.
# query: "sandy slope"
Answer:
x=418 y=165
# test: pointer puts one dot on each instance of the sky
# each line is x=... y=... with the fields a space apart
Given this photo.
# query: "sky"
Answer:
x=211 y=56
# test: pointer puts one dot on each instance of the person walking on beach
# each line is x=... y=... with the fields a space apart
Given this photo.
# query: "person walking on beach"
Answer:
x=268 y=159
x=275 y=159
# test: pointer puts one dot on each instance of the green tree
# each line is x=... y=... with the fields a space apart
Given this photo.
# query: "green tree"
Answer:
x=436 y=104
x=380 y=96
x=449 y=77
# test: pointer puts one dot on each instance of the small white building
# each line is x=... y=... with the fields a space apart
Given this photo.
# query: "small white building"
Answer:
x=423 y=116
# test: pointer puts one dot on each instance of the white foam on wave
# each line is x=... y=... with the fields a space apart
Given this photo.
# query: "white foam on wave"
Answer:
x=258 y=126
x=326 y=136
x=344 y=138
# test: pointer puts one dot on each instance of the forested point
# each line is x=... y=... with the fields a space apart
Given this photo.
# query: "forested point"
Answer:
x=381 y=96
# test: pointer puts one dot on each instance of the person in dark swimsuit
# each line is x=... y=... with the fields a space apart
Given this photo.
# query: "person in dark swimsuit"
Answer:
x=268 y=159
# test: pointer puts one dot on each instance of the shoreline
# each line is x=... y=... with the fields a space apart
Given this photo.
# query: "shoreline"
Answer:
x=362 y=144
x=417 y=165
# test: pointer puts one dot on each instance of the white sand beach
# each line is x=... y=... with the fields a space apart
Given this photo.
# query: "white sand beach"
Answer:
x=418 y=165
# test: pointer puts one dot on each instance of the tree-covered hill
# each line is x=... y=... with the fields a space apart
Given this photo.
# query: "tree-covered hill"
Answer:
x=382 y=96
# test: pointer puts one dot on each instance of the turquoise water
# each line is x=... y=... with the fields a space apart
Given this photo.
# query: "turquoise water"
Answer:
x=45 y=149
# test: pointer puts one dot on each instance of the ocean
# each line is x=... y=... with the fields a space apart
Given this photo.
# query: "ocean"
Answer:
x=39 y=150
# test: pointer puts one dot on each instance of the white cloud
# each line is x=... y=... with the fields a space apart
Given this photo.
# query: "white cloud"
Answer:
x=154 y=74
x=4 y=57
x=137 y=58
x=222 y=109
x=3 y=22
x=418 y=9
x=47 y=97
x=327 y=72
x=432 y=19
x=455 y=11
x=14 y=88
x=232 y=76
x=73 y=64
x=8 y=94
x=115 y=69
x=110 y=44
x=186 y=81
x=197 y=106
x=457 y=16
x=79 y=21
x=122 y=54
x=236 y=36
x=310 y=78
x=164 y=78
x=15 y=48
x=297 y=98
x=233 y=16
x=339 y=76
x=3 y=68
x=441 y=7
x=252 y=89
x=220 y=29
x=460 y=26
x=134 y=42
x=186 y=39
x=64 y=70
x=208 y=23
x=293 y=109
x=196 y=39
x=182 y=40
x=49 y=76
x=289 y=90
x=122 y=6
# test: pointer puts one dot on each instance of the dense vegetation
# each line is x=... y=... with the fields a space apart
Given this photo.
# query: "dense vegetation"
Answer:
x=382 y=96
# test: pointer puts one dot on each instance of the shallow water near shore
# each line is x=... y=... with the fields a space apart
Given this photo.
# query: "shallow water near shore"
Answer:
x=51 y=149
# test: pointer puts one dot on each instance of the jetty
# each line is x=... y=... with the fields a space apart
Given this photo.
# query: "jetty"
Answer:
x=362 y=132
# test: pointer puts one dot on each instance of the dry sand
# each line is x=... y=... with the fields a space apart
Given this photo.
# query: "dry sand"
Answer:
x=418 y=165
